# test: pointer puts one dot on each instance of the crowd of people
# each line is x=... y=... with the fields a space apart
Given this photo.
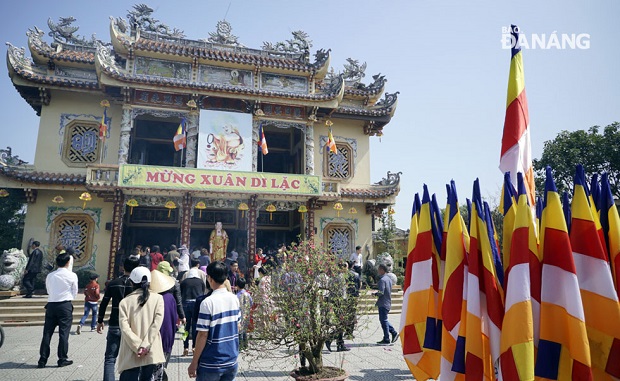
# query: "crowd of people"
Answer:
x=159 y=294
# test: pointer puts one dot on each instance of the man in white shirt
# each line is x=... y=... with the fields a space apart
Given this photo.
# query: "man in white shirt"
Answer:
x=356 y=258
x=62 y=287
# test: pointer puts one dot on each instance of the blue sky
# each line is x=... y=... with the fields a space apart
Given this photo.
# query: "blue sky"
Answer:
x=445 y=58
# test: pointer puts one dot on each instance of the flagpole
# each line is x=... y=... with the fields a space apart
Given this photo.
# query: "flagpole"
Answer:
x=262 y=161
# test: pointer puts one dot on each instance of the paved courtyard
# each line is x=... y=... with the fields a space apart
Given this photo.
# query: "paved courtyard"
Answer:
x=365 y=361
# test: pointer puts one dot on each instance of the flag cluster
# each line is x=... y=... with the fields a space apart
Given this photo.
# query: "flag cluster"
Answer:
x=544 y=306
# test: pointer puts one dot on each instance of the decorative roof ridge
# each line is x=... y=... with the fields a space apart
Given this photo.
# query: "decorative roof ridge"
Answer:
x=375 y=88
x=387 y=186
x=43 y=177
x=27 y=69
x=105 y=60
x=59 y=51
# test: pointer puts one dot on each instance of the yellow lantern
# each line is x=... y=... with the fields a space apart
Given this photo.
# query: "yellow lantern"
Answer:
x=170 y=205
x=391 y=211
x=243 y=207
x=302 y=209
x=104 y=103
x=131 y=204
x=85 y=197
x=4 y=193
x=270 y=208
x=352 y=210
x=329 y=123
x=201 y=206
x=338 y=207
x=58 y=200
x=192 y=104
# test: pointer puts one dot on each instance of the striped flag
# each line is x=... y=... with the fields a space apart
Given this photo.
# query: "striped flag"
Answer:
x=485 y=304
x=507 y=205
x=180 y=139
x=454 y=304
x=103 y=125
x=611 y=228
x=331 y=143
x=516 y=154
x=600 y=302
x=519 y=336
x=262 y=141
x=419 y=295
x=566 y=209
x=595 y=193
x=563 y=349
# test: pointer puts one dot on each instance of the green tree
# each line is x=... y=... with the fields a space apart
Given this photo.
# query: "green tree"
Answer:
x=597 y=151
x=12 y=214
x=387 y=234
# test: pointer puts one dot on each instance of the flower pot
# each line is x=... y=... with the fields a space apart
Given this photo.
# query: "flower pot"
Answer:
x=327 y=374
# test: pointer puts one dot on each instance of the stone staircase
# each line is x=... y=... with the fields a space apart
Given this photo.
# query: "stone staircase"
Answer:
x=18 y=311
x=367 y=301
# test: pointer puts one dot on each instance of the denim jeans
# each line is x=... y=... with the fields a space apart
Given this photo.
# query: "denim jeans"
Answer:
x=188 y=308
x=226 y=376
x=113 y=341
x=385 y=324
x=144 y=373
x=88 y=307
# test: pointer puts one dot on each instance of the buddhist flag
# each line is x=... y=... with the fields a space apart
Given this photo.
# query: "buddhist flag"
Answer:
x=507 y=205
x=600 y=302
x=485 y=304
x=519 y=336
x=516 y=155
x=331 y=143
x=595 y=193
x=103 y=125
x=419 y=295
x=566 y=209
x=180 y=139
x=454 y=304
x=262 y=141
x=611 y=229
x=563 y=349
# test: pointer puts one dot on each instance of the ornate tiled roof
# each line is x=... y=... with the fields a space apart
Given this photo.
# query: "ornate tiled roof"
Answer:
x=205 y=50
x=385 y=107
x=27 y=69
x=42 y=52
x=37 y=177
x=107 y=64
x=362 y=90
x=388 y=186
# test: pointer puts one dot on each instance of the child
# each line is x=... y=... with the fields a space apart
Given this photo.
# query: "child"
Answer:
x=90 y=303
x=245 y=305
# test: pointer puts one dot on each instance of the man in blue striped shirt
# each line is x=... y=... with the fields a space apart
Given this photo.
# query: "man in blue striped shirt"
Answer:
x=217 y=342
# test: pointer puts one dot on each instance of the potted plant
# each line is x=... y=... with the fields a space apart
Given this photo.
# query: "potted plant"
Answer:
x=300 y=304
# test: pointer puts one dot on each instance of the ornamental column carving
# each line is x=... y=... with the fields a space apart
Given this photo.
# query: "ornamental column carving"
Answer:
x=186 y=219
x=252 y=217
x=117 y=229
x=126 y=126
x=192 y=139
x=310 y=149
x=255 y=138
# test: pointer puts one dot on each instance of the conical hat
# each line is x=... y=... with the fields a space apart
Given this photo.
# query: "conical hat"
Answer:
x=161 y=282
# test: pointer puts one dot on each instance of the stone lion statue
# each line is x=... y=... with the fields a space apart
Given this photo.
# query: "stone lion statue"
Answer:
x=12 y=267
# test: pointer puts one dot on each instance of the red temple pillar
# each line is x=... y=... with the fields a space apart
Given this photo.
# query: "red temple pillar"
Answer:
x=117 y=229
x=186 y=222
x=252 y=217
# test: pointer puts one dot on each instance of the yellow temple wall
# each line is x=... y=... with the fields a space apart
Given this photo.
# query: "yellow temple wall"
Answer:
x=51 y=137
x=39 y=224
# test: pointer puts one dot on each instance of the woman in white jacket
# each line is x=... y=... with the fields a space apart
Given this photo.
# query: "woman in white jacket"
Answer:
x=141 y=314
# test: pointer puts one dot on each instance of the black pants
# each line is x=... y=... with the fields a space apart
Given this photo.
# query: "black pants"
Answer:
x=143 y=373
x=28 y=282
x=57 y=314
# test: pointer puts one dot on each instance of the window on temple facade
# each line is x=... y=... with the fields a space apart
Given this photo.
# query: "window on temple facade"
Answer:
x=339 y=165
x=151 y=142
x=82 y=145
x=339 y=239
x=76 y=231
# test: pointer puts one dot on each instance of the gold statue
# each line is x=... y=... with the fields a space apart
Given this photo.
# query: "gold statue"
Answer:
x=218 y=242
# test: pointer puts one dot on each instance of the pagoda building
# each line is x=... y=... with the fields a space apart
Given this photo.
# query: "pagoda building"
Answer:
x=152 y=138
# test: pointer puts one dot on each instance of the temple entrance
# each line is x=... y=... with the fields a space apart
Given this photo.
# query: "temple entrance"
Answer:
x=148 y=226
x=277 y=229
